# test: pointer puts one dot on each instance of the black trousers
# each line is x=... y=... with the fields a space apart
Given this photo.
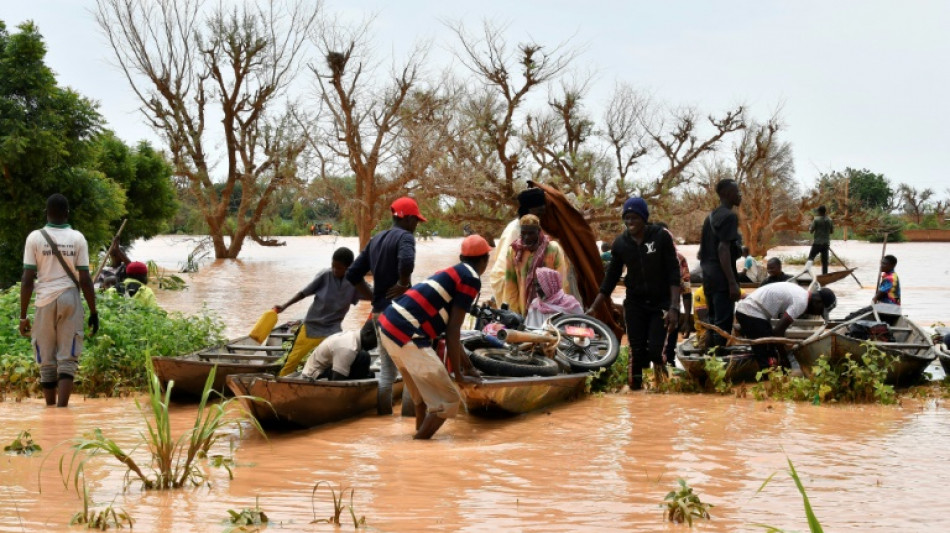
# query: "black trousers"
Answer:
x=821 y=249
x=721 y=310
x=647 y=334
x=756 y=328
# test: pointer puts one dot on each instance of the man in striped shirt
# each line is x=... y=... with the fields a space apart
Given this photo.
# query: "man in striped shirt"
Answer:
x=414 y=320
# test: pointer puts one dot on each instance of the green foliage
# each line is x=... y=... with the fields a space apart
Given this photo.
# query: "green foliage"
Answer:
x=679 y=381
x=610 y=379
x=814 y=526
x=168 y=282
x=174 y=461
x=338 y=505
x=102 y=519
x=855 y=380
x=113 y=361
x=716 y=375
x=46 y=146
x=682 y=505
x=23 y=444
x=248 y=519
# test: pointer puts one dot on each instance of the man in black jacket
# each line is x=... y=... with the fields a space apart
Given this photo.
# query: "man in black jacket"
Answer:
x=651 y=307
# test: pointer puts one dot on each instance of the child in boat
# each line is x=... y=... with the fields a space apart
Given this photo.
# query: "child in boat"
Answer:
x=889 y=291
x=332 y=297
x=551 y=299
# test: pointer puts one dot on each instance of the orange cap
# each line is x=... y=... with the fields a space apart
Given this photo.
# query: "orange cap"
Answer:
x=405 y=207
x=474 y=246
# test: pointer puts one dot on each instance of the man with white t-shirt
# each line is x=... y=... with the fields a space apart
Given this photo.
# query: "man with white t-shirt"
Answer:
x=58 y=332
x=784 y=301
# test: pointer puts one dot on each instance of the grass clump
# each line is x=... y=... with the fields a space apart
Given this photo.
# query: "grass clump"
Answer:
x=248 y=519
x=338 y=505
x=683 y=505
x=23 y=444
x=854 y=380
x=101 y=519
x=113 y=361
x=173 y=460
x=814 y=526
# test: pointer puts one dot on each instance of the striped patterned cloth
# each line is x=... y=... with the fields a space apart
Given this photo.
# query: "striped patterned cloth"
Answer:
x=422 y=313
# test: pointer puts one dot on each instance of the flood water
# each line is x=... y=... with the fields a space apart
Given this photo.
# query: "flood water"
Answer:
x=597 y=464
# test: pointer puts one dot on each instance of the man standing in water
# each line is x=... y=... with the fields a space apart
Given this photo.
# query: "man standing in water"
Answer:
x=822 y=228
x=391 y=257
x=53 y=258
x=719 y=249
x=652 y=305
x=414 y=320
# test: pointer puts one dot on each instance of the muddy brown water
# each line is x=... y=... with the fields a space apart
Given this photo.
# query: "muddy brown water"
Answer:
x=596 y=464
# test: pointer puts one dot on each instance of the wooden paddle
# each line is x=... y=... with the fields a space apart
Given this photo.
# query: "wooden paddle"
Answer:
x=845 y=266
x=115 y=241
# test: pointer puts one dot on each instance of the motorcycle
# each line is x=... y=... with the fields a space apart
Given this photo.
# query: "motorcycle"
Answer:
x=502 y=345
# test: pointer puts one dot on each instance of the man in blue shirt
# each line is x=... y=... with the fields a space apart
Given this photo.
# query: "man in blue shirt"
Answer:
x=391 y=257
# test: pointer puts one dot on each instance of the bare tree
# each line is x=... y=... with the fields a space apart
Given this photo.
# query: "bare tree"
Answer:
x=190 y=67
x=915 y=202
x=625 y=119
x=358 y=123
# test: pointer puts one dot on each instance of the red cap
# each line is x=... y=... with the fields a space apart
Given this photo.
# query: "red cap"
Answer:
x=136 y=268
x=404 y=207
x=474 y=246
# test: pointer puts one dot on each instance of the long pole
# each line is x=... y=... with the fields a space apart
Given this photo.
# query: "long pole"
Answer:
x=115 y=241
x=879 y=274
x=846 y=266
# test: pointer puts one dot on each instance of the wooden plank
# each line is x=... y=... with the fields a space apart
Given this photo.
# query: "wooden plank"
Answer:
x=283 y=335
x=252 y=348
x=902 y=345
x=236 y=356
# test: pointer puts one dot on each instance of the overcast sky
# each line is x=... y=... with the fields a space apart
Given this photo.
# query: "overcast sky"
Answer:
x=860 y=83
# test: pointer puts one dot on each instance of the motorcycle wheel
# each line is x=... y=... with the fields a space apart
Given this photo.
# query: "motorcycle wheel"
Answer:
x=499 y=362
x=582 y=354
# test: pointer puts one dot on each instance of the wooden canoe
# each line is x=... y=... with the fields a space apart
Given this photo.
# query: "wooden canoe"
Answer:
x=238 y=356
x=804 y=281
x=741 y=365
x=302 y=403
x=912 y=347
x=495 y=396
x=943 y=354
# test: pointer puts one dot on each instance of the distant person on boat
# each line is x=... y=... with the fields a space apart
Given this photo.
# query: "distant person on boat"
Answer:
x=416 y=319
x=56 y=264
x=774 y=270
x=343 y=356
x=332 y=295
x=390 y=256
x=135 y=285
x=889 y=291
x=784 y=301
x=550 y=300
x=652 y=303
x=530 y=202
x=533 y=250
x=719 y=249
x=822 y=228
x=751 y=270
x=605 y=254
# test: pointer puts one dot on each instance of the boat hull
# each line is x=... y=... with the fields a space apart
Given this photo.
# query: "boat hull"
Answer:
x=291 y=403
x=511 y=396
x=190 y=374
x=740 y=367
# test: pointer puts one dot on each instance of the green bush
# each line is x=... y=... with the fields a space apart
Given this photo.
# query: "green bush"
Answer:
x=113 y=361
x=610 y=379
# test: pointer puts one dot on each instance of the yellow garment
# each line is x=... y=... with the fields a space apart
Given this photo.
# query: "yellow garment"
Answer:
x=143 y=294
x=265 y=324
x=699 y=303
x=303 y=345
x=496 y=274
x=515 y=291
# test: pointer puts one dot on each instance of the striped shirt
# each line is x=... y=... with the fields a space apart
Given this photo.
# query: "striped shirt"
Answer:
x=422 y=313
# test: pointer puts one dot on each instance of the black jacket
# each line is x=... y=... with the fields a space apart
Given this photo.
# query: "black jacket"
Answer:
x=652 y=267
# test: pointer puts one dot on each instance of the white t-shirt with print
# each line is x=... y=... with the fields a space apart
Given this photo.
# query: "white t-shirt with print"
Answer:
x=51 y=279
x=775 y=298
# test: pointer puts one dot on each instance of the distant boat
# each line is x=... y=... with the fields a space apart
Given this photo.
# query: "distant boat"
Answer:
x=804 y=280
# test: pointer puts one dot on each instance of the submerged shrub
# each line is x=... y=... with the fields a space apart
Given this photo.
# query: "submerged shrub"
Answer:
x=113 y=361
x=613 y=378
x=683 y=505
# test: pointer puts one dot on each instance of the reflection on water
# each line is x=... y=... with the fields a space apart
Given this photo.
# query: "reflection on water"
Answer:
x=598 y=464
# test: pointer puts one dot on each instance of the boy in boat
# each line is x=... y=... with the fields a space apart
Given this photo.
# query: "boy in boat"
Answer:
x=652 y=303
x=889 y=291
x=774 y=269
x=822 y=228
x=414 y=320
x=332 y=297
x=784 y=301
x=343 y=356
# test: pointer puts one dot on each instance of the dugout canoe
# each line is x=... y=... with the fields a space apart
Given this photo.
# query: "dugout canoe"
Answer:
x=296 y=402
x=943 y=354
x=912 y=347
x=237 y=356
x=741 y=365
x=804 y=281
x=500 y=396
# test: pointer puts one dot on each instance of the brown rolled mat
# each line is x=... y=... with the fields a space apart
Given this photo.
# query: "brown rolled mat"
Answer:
x=562 y=221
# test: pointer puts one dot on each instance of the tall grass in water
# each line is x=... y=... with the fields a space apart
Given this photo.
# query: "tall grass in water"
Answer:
x=174 y=461
x=814 y=526
x=338 y=506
